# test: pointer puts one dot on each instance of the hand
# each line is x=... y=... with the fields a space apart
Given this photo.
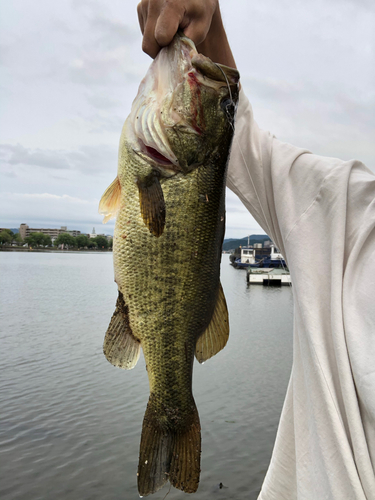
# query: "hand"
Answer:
x=200 y=20
x=160 y=19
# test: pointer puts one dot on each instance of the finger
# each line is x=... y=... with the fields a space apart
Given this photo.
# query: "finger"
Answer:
x=171 y=17
x=140 y=18
x=197 y=31
x=149 y=44
x=149 y=12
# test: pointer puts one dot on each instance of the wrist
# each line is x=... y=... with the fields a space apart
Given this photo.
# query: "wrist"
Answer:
x=216 y=45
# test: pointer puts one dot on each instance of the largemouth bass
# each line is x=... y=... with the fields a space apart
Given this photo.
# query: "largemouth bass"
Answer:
x=169 y=199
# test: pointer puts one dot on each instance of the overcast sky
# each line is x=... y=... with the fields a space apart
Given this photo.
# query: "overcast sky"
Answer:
x=70 y=70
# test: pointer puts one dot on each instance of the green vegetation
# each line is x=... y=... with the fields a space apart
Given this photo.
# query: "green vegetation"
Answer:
x=40 y=240
x=65 y=239
x=17 y=239
x=82 y=241
x=7 y=237
x=101 y=241
x=229 y=244
x=36 y=240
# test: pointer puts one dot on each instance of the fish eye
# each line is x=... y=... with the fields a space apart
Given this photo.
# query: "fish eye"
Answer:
x=227 y=105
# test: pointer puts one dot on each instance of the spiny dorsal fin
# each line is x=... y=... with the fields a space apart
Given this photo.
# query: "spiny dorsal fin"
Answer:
x=120 y=347
x=151 y=200
x=216 y=334
x=110 y=203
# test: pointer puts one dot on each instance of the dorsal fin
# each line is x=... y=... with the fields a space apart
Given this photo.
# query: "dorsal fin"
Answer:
x=216 y=334
x=110 y=203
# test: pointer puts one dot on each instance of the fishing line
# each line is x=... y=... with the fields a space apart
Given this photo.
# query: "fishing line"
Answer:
x=230 y=120
x=170 y=485
x=226 y=79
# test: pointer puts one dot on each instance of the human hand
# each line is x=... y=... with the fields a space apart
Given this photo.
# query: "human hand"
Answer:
x=160 y=20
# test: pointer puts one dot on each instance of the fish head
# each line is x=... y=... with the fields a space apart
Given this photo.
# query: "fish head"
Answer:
x=185 y=108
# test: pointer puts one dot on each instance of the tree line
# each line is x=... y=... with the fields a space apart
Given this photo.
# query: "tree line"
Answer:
x=41 y=240
x=82 y=241
x=7 y=237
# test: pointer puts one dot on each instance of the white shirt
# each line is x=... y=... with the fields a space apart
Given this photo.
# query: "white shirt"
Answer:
x=320 y=213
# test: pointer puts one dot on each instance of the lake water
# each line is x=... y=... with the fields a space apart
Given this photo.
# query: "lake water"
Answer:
x=71 y=422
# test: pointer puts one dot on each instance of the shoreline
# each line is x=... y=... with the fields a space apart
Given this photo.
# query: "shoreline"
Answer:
x=52 y=250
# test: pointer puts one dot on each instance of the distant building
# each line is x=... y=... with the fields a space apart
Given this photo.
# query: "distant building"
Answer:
x=25 y=231
x=94 y=235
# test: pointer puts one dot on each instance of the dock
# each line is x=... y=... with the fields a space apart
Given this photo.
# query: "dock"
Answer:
x=268 y=276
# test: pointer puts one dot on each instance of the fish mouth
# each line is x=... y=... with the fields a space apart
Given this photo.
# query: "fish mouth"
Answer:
x=152 y=111
x=155 y=157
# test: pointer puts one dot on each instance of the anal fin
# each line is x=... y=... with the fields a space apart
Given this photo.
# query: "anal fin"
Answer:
x=216 y=335
x=120 y=347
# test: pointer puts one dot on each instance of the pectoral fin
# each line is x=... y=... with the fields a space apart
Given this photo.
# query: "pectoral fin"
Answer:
x=120 y=347
x=216 y=334
x=151 y=200
x=110 y=203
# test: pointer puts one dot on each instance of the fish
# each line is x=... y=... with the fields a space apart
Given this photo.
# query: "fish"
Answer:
x=169 y=202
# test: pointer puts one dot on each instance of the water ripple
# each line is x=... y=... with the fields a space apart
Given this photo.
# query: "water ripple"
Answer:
x=71 y=423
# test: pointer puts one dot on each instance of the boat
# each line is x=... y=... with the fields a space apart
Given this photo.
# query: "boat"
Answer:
x=274 y=259
x=246 y=259
x=255 y=257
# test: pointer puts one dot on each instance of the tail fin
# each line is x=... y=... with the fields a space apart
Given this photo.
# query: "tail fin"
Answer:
x=169 y=454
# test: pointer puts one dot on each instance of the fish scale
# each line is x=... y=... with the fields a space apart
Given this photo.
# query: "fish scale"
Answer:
x=167 y=251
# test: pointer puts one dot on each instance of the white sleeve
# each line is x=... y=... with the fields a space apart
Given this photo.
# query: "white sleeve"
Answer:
x=276 y=181
x=320 y=213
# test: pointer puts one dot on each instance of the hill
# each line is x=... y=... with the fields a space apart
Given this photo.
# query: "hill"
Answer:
x=231 y=243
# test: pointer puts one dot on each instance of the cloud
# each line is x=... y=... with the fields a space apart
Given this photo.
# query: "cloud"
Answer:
x=47 y=209
x=323 y=118
x=87 y=159
x=102 y=101
x=306 y=96
x=17 y=155
x=112 y=33
x=107 y=54
x=73 y=68
x=30 y=197
x=239 y=222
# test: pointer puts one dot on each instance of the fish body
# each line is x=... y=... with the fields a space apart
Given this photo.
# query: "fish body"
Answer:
x=169 y=197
